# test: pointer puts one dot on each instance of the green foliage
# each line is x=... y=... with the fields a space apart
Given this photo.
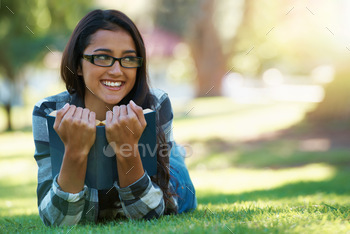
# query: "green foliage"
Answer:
x=27 y=27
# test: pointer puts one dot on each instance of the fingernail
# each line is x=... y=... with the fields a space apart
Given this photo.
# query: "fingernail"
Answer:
x=132 y=102
x=65 y=106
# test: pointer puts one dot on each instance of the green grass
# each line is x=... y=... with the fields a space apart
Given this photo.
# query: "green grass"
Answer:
x=271 y=186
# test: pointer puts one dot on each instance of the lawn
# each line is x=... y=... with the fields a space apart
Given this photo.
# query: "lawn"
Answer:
x=248 y=179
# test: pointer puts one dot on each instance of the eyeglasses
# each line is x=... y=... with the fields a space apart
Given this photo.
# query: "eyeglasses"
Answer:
x=108 y=61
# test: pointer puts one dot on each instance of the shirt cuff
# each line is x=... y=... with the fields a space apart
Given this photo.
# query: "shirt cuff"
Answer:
x=134 y=190
x=69 y=197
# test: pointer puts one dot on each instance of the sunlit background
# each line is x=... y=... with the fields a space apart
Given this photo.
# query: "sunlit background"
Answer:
x=260 y=91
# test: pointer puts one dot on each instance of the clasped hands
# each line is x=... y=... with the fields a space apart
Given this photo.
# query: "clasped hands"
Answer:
x=77 y=129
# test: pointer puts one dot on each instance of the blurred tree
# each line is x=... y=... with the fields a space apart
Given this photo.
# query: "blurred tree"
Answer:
x=335 y=107
x=29 y=30
x=193 y=20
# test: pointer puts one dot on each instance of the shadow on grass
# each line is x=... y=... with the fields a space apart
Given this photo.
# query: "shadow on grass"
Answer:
x=281 y=153
x=338 y=185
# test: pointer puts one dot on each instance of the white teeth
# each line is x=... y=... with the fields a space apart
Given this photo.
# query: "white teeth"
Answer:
x=112 y=84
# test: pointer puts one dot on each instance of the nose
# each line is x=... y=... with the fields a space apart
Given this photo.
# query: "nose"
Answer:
x=115 y=69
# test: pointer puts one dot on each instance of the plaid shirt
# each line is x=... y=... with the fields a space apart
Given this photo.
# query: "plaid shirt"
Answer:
x=142 y=199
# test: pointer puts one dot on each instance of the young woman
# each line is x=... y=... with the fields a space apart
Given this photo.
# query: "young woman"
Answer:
x=104 y=69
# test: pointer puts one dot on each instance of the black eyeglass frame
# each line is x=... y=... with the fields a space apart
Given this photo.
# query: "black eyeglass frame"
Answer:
x=91 y=59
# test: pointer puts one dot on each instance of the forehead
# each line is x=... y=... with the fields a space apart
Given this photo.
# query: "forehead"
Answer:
x=114 y=40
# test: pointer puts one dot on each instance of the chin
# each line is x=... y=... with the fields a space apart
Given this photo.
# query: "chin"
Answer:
x=112 y=100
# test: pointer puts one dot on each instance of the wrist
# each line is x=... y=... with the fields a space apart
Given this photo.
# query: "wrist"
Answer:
x=126 y=150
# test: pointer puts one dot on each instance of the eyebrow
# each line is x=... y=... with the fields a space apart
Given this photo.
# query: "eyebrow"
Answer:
x=110 y=51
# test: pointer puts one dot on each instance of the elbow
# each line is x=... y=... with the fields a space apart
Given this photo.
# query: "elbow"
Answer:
x=151 y=212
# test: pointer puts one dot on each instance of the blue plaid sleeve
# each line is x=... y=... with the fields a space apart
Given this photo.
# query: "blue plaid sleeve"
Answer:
x=57 y=207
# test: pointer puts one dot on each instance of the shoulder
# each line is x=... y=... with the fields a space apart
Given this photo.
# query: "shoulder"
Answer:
x=162 y=106
x=161 y=98
x=49 y=104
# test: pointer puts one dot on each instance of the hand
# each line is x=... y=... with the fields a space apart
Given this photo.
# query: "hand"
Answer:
x=124 y=126
x=77 y=129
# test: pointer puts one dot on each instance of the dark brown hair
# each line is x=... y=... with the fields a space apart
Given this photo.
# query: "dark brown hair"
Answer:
x=71 y=62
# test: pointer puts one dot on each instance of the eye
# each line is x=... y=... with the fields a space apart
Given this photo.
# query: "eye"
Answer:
x=102 y=57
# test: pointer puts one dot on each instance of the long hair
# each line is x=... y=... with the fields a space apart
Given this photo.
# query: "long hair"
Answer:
x=114 y=20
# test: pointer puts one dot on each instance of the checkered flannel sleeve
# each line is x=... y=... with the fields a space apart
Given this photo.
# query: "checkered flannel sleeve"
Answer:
x=57 y=207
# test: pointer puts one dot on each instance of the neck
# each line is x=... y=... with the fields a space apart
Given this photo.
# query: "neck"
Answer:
x=96 y=105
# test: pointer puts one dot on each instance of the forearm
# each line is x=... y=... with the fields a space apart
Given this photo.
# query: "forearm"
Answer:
x=73 y=170
x=129 y=166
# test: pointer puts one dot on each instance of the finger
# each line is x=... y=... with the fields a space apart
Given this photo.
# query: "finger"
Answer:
x=130 y=111
x=116 y=113
x=85 y=115
x=92 y=118
x=139 y=113
x=78 y=113
x=109 y=117
x=69 y=113
x=60 y=114
x=123 y=110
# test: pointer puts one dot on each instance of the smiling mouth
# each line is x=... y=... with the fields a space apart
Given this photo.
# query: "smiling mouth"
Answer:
x=113 y=84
